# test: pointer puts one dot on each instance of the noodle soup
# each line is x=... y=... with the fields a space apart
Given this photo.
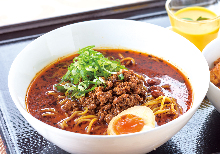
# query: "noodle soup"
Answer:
x=141 y=80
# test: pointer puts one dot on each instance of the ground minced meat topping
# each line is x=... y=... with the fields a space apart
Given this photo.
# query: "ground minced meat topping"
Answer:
x=118 y=95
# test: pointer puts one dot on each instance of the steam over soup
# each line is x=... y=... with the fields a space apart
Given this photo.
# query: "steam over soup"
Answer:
x=86 y=92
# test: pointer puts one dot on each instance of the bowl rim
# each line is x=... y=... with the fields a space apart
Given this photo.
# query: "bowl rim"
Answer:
x=208 y=51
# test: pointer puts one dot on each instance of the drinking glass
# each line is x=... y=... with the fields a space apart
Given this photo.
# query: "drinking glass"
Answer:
x=201 y=30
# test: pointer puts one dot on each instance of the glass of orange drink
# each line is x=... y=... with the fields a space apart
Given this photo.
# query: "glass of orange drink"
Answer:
x=196 y=20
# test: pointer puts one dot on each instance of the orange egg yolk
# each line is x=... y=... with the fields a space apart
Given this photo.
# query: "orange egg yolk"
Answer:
x=128 y=124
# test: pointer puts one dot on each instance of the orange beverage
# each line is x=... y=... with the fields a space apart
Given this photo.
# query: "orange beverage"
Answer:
x=197 y=24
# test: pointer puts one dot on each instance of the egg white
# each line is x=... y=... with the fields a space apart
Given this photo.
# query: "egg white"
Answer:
x=140 y=111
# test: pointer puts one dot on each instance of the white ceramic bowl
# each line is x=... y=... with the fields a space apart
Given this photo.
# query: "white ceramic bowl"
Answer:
x=212 y=52
x=116 y=34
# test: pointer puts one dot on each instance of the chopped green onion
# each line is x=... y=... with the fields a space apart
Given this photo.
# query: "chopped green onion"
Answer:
x=121 y=76
x=87 y=72
x=61 y=89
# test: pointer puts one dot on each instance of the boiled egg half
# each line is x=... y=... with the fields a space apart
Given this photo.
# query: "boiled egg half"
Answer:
x=134 y=119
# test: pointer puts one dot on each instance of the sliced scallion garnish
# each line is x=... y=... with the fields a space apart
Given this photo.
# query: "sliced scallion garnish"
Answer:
x=86 y=72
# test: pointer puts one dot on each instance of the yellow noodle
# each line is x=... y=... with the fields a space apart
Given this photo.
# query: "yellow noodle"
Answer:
x=172 y=108
x=97 y=127
x=63 y=101
x=153 y=58
x=152 y=102
x=48 y=110
x=82 y=120
x=52 y=93
x=61 y=125
x=121 y=56
x=48 y=114
x=155 y=101
x=158 y=105
x=86 y=110
x=128 y=59
x=155 y=109
x=64 y=122
x=61 y=97
x=162 y=103
x=73 y=115
x=144 y=88
x=66 y=114
x=141 y=77
x=90 y=125
x=161 y=111
x=85 y=117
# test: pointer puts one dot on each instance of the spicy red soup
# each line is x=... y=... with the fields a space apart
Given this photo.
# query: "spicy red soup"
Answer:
x=147 y=78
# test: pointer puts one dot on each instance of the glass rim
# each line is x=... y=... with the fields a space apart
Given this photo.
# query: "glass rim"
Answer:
x=181 y=20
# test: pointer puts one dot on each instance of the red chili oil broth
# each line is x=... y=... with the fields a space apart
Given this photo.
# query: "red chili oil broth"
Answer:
x=146 y=65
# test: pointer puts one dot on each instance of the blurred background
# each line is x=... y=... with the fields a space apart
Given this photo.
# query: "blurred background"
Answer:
x=18 y=11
